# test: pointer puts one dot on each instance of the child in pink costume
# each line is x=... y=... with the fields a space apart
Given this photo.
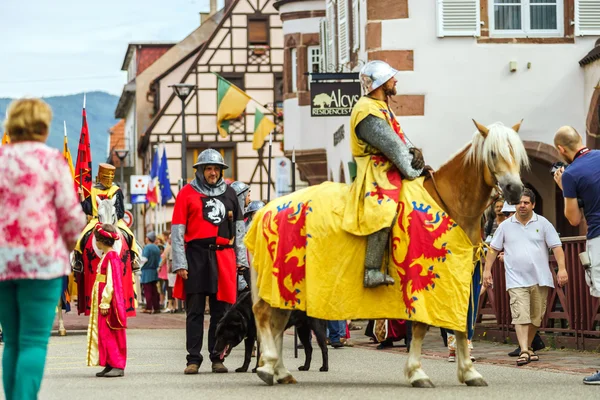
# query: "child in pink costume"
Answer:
x=107 y=341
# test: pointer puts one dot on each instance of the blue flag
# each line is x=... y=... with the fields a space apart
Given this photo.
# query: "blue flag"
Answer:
x=163 y=180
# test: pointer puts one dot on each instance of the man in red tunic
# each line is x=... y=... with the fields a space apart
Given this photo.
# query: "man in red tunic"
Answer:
x=208 y=248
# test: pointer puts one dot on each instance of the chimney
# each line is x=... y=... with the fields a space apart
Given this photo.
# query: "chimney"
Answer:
x=213 y=9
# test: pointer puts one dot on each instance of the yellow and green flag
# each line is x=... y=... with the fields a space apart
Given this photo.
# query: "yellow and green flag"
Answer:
x=5 y=139
x=262 y=127
x=231 y=103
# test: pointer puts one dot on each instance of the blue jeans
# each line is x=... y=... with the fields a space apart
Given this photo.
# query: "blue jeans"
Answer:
x=337 y=329
x=27 y=310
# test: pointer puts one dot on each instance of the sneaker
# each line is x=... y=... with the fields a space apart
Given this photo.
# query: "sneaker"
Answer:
x=166 y=310
x=337 y=345
x=452 y=356
x=592 y=379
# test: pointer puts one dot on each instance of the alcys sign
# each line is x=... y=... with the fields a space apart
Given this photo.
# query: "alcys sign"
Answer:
x=333 y=99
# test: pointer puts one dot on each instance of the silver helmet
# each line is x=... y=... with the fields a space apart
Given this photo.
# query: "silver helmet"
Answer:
x=374 y=74
x=240 y=187
x=253 y=207
x=210 y=157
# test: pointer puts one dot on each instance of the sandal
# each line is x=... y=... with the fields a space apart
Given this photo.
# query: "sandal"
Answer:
x=533 y=357
x=524 y=359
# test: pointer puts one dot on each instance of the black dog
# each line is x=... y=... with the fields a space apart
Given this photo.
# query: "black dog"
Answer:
x=238 y=324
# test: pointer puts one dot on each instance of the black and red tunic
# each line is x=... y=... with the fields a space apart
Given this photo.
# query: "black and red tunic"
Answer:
x=209 y=238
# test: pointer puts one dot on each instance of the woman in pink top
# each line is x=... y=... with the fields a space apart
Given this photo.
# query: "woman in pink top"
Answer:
x=40 y=220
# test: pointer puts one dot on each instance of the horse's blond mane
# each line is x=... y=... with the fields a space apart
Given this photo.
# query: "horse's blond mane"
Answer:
x=501 y=142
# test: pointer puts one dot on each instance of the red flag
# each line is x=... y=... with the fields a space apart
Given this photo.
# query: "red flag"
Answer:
x=83 y=166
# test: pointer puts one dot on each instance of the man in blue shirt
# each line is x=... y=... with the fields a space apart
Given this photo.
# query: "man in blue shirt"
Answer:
x=581 y=181
x=151 y=259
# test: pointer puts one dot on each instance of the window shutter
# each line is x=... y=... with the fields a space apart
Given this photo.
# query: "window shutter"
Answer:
x=355 y=25
x=343 y=32
x=587 y=17
x=323 y=44
x=331 y=37
x=458 y=18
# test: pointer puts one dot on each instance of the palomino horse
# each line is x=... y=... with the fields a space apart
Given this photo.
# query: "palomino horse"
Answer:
x=91 y=256
x=462 y=188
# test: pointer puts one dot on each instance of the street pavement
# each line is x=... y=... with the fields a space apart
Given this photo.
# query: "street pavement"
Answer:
x=156 y=361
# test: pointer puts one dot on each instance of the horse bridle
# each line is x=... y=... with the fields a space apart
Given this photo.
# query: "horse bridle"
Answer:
x=494 y=199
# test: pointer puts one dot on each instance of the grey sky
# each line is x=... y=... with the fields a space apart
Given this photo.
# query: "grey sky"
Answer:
x=54 y=47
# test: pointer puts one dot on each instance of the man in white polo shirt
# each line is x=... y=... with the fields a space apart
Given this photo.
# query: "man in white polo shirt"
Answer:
x=525 y=238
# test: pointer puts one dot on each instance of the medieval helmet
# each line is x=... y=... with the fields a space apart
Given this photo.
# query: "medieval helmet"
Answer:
x=210 y=157
x=106 y=174
x=374 y=74
x=240 y=188
x=253 y=207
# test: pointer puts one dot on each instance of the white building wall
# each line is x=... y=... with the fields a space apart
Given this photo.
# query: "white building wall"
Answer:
x=130 y=135
x=462 y=79
x=591 y=80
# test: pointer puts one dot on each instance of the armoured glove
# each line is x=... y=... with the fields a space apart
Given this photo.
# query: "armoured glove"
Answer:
x=417 y=162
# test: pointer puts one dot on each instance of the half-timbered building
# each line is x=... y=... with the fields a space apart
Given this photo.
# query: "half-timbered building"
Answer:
x=246 y=48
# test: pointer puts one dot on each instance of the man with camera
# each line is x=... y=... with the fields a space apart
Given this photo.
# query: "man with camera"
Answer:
x=580 y=183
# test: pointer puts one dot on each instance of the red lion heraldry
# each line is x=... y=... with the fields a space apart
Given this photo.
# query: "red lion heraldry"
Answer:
x=423 y=233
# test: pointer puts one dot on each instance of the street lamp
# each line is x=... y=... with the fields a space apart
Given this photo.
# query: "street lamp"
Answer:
x=121 y=155
x=183 y=90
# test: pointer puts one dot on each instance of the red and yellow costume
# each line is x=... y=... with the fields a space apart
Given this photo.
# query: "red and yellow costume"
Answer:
x=107 y=341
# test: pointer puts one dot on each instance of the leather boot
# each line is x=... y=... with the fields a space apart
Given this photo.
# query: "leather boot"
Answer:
x=219 y=368
x=104 y=371
x=191 y=369
x=115 y=373
x=376 y=245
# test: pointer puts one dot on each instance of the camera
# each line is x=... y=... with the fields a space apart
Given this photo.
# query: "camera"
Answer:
x=556 y=166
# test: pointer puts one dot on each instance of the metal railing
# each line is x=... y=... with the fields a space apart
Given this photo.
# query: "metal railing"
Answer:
x=572 y=316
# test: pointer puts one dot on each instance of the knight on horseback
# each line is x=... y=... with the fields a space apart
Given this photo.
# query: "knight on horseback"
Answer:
x=383 y=156
x=104 y=188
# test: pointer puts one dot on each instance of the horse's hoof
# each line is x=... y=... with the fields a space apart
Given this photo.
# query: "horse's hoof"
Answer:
x=303 y=368
x=423 y=383
x=242 y=369
x=476 y=382
x=324 y=369
x=288 y=380
x=265 y=376
x=62 y=332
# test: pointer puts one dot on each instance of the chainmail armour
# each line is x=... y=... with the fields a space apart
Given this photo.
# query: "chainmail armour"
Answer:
x=380 y=135
x=178 y=231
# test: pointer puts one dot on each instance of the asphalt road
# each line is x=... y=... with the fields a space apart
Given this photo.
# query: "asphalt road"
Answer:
x=157 y=359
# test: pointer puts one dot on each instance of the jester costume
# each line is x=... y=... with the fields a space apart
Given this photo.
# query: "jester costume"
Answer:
x=107 y=341
x=383 y=158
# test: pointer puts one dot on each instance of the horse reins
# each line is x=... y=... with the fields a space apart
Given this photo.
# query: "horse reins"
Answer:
x=435 y=186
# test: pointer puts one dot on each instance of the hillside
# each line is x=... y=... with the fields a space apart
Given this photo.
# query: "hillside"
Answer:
x=100 y=109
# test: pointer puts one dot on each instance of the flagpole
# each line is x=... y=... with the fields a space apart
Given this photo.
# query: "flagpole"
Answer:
x=293 y=169
x=269 y=167
x=81 y=169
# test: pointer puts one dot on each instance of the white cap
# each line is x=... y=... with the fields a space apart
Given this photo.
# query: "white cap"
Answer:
x=508 y=208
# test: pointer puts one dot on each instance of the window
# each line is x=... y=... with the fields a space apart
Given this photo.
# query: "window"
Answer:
x=294 y=63
x=258 y=32
x=526 y=17
x=314 y=59
x=278 y=87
